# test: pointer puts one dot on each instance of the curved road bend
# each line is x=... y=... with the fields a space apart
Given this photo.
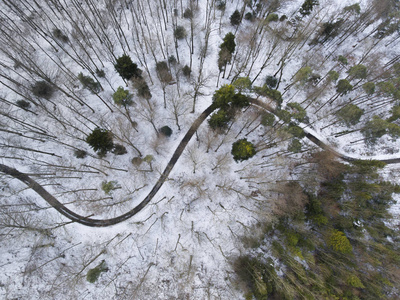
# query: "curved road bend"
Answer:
x=179 y=150
x=108 y=222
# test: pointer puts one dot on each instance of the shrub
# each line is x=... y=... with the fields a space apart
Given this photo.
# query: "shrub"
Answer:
x=94 y=274
x=100 y=140
x=271 y=82
x=220 y=4
x=42 y=89
x=188 y=14
x=108 y=186
x=369 y=88
x=137 y=161
x=284 y=115
x=375 y=128
x=267 y=92
x=350 y=114
x=23 y=104
x=355 y=8
x=122 y=97
x=294 y=146
x=235 y=18
x=267 y=119
x=333 y=75
x=219 y=119
x=296 y=131
x=358 y=72
x=307 y=7
x=342 y=60
x=242 y=83
x=80 y=153
x=303 y=75
x=119 y=149
x=339 y=242
x=166 y=131
x=180 y=32
x=100 y=73
x=272 y=18
x=223 y=96
x=229 y=42
x=172 y=60
x=126 y=68
x=186 y=71
x=298 y=113
x=343 y=87
x=249 y=17
x=354 y=281
x=89 y=83
x=242 y=150
x=58 y=34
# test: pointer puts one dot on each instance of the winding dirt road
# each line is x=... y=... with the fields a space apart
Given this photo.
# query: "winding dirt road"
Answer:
x=61 y=208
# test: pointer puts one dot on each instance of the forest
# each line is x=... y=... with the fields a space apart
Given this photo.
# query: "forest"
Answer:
x=199 y=149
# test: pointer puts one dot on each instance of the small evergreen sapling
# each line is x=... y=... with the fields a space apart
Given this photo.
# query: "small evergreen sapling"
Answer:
x=242 y=150
x=100 y=140
x=126 y=68
x=122 y=97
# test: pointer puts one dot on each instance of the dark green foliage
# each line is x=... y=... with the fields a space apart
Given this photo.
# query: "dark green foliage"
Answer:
x=242 y=150
x=267 y=92
x=240 y=101
x=100 y=140
x=188 y=14
x=350 y=114
x=94 y=274
x=58 y=34
x=386 y=88
x=267 y=119
x=219 y=119
x=235 y=18
x=180 y=32
x=330 y=30
x=220 y=4
x=294 y=146
x=333 y=75
x=375 y=128
x=186 y=71
x=172 y=60
x=295 y=130
x=43 y=89
x=100 y=73
x=358 y=72
x=229 y=42
x=119 y=149
x=307 y=7
x=126 y=68
x=343 y=86
x=369 y=88
x=298 y=113
x=282 y=18
x=23 y=104
x=272 y=18
x=284 y=115
x=242 y=83
x=393 y=130
x=122 y=97
x=395 y=113
x=303 y=75
x=80 y=153
x=342 y=60
x=249 y=17
x=166 y=131
x=223 y=96
x=89 y=83
x=355 y=8
x=271 y=81
x=137 y=161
